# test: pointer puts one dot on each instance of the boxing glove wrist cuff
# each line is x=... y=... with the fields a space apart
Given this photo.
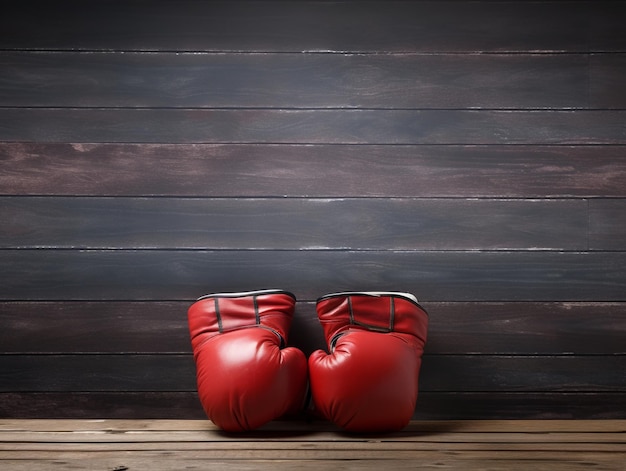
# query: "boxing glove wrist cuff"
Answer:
x=399 y=294
x=241 y=294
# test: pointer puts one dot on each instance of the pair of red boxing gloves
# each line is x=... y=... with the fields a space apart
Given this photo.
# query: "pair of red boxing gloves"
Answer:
x=248 y=376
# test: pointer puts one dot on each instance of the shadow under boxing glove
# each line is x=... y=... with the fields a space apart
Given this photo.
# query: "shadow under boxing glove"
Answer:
x=369 y=381
x=246 y=375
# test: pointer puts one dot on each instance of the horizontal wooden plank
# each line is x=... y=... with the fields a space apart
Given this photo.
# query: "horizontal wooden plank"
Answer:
x=316 y=26
x=520 y=405
x=310 y=460
x=439 y=373
x=431 y=405
x=604 y=20
x=282 y=446
x=107 y=79
x=192 y=80
x=311 y=170
x=433 y=276
x=396 y=224
x=526 y=328
x=318 y=430
x=324 y=126
x=93 y=373
x=454 y=328
x=98 y=405
x=122 y=327
x=163 y=461
x=607 y=224
x=260 y=446
x=608 y=72
x=480 y=373
x=319 y=435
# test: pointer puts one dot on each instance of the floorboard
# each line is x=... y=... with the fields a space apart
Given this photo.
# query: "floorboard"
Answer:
x=124 y=445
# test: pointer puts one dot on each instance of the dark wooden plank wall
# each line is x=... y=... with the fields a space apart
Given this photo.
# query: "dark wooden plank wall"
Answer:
x=473 y=153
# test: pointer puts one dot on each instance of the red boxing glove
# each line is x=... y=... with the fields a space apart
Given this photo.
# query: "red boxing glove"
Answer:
x=369 y=381
x=245 y=375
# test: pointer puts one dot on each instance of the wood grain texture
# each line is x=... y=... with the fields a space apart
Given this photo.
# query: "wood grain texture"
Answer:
x=608 y=73
x=431 y=405
x=439 y=373
x=526 y=328
x=607 y=218
x=287 y=126
x=295 y=224
x=577 y=461
x=193 y=80
x=433 y=276
x=522 y=328
x=556 y=445
x=472 y=153
x=518 y=405
x=236 y=170
x=148 y=435
x=416 y=431
x=317 y=26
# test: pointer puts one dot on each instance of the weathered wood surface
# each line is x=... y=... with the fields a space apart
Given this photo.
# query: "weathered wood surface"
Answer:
x=167 y=444
x=312 y=223
x=439 y=373
x=194 y=80
x=326 y=126
x=160 y=327
x=33 y=274
x=408 y=80
x=151 y=155
x=303 y=223
x=235 y=26
x=240 y=170
x=431 y=405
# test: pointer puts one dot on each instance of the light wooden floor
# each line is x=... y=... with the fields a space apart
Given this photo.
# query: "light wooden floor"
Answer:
x=155 y=445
